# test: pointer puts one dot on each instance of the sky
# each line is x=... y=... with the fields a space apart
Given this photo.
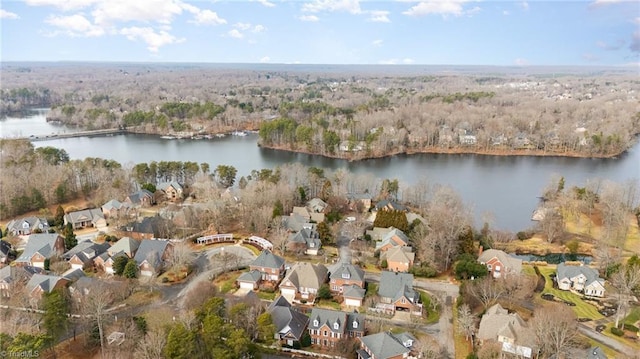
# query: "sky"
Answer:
x=431 y=32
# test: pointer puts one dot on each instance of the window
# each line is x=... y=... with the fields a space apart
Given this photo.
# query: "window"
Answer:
x=497 y=268
x=315 y=322
x=336 y=326
x=403 y=300
x=346 y=275
x=489 y=266
x=326 y=334
x=355 y=324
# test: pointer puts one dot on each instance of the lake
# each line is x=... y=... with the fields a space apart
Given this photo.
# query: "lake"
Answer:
x=505 y=187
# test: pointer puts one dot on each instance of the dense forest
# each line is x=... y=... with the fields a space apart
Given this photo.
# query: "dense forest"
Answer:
x=340 y=114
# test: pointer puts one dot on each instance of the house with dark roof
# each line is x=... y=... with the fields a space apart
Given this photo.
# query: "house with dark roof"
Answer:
x=303 y=281
x=296 y=222
x=580 y=278
x=500 y=264
x=5 y=252
x=173 y=191
x=509 y=329
x=151 y=256
x=250 y=280
x=389 y=205
x=27 y=225
x=86 y=218
x=141 y=198
x=82 y=255
x=14 y=277
x=271 y=266
x=39 y=284
x=290 y=324
x=306 y=240
x=40 y=247
x=396 y=293
x=327 y=327
x=345 y=275
x=386 y=345
x=399 y=259
x=147 y=228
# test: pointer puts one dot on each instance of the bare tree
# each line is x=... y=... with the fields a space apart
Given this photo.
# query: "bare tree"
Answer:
x=93 y=306
x=625 y=281
x=151 y=346
x=552 y=224
x=181 y=256
x=199 y=294
x=467 y=322
x=555 y=329
x=486 y=290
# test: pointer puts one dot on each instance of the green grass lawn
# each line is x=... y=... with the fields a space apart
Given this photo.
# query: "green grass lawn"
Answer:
x=266 y=296
x=633 y=317
x=432 y=315
x=582 y=309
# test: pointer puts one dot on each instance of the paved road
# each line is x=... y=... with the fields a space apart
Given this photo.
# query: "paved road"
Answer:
x=610 y=342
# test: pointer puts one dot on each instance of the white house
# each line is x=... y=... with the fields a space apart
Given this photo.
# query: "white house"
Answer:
x=580 y=278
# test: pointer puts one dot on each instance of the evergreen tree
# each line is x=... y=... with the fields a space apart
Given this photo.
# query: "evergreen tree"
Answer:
x=324 y=232
x=70 y=240
x=55 y=320
x=278 y=209
x=59 y=218
x=181 y=343
x=130 y=269
x=119 y=264
x=266 y=328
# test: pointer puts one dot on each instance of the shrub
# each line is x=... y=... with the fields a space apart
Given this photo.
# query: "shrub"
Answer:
x=384 y=264
x=630 y=327
x=424 y=271
x=522 y=235
x=617 y=332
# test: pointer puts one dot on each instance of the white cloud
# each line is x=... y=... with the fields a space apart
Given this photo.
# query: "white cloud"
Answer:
x=235 y=34
x=309 y=18
x=74 y=25
x=379 y=16
x=63 y=5
x=207 y=17
x=637 y=20
x=350 y=6
x=4 y=14
x=265 y=59
x=147 y=11
x=266 y=3
x=438 y=7
x=259 y=28
x=524 y=5
x=505 y=13
x=394 y=61
x=154 y=39
x=590 y=57
x=607 y=2
x=377 y=43
x=610 y=46
x=242 y=26
x=407 y=61
x=521 y=62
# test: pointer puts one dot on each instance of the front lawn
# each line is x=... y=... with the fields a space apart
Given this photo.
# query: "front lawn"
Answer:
x=582 y=309
x=432 y=315
x=226 y=282
x=633 y=316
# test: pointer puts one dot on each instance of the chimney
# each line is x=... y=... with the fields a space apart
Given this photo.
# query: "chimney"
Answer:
x=480 y=249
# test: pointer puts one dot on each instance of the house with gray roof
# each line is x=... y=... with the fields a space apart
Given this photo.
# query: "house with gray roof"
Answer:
x=82 y=255
x=303 y=281
x=289 y=323
x=12 y=277
x=327 y=327
x=359 y=201
x=40 y=247
x=173 y=191
x=346 y=274
x=143 y=198
x=393 y=238
x=151 y=256
x=307 y=241
x=580 y=278
x=386 y=345
x=39 y=284
x=114 y=208
x=27 y=225
x=250 y=280
x=509 y=329
x=500 y=264
x=86 y=218
x=126 y=245
x=317 y=205
x=270 y=265
x=5 y=252
x=399 y=259
x=296 y=222
x=353 y=295
x=396 y=293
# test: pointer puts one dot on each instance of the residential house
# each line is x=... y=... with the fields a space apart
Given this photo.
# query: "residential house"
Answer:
x=173 y=191
x=269 y=265
x=353 y=295
x=250 y=280
x=508 y=329
x=359 y=201
x=306 y=240
x=500 y=264
x=147 y=228
x=393 y=238
x=467 y=139
x=27 y=225
x=73 y=274
x=399 y=259
x=86 y=218
x=303 y=281
x=142 y=198
x=5 y=252
x=580 y=278
x=308 y=215
x=151 y=256
x=289 y=323
x=327 y=327
x=115 y=209
x=346 y=275
x=351 y=146
x=106 y=262
x=81 y=256
x=39 y=284
x=12 y=278
x=378 y=233
x=316 y=205
x=396 y=293
x=126 y=245
x=389 y=205
x=40 y=247
x=296 y=222
x=386 y=345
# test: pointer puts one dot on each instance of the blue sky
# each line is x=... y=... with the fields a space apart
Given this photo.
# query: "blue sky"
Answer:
x=460 y=32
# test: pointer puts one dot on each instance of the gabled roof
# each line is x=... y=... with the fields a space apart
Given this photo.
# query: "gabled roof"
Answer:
x=378 y=233
x=296 y=222
x=399 y=254
x=136 y=197
x=395 y=285
x=564 y=271
x=514 y=264
x=498 y=322
x=10 y=274
x=73 y=274
x=164 y=185
x=148 y=225
x=266 y=259
x=353 y=291
x=46 y=282
x=112 y=204
x=392 y=205
x=308 y=237
x=126 y=245
x=337 y=321
x=286 y=319
x=252 y=276
x=359 y=196
x=317 y=205
x=93 y=215
x=43 y=243
x=151 y=250
x=5 y=248
x=304 y=274
x=394 y=237
x=86 y=250
x=31 y=222
x=348 y=271
x=384 y=345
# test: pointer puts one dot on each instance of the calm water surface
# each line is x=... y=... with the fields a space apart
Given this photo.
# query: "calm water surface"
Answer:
x=504 y=187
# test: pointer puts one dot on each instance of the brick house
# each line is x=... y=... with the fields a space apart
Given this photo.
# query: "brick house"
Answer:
x=396 y=293
x=346 y=275
x=39 y=248
x=327 y=327
x=500 y=264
